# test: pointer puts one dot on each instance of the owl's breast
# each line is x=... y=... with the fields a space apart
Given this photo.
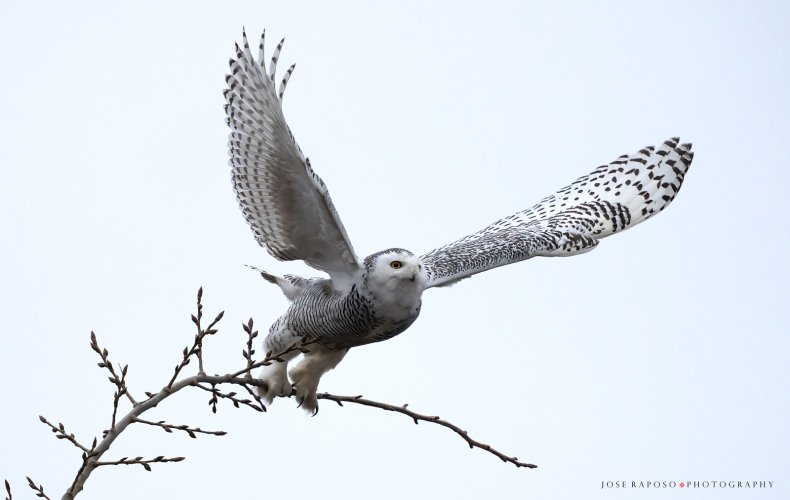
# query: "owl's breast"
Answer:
x=349 y=319
x=394 y=325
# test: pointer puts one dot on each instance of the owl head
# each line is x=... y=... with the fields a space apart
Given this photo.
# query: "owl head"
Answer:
x=394 y=268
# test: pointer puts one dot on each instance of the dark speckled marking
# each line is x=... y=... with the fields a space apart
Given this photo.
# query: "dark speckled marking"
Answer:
x=605 y=201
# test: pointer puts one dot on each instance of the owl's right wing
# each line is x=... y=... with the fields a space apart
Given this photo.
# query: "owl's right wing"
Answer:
x=285 y=203
x=609 y=199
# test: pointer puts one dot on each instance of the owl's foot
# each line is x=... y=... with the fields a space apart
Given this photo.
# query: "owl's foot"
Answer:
x=274 y=382
x=308 y=372
x=305 y=386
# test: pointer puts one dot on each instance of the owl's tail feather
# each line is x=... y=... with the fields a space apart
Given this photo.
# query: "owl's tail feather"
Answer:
x=291 y=285
x=268 y=277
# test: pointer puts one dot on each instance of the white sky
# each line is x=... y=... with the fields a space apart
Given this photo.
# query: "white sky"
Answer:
x=662 y=355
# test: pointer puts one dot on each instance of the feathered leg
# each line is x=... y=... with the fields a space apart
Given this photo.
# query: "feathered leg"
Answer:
x=275 y=376
x=308 y=372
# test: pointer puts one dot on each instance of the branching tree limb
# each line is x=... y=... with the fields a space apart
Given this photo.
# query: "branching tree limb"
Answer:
x=243 y=379
x=425 y=418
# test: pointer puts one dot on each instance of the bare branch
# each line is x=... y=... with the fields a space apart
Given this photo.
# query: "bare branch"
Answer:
x=38 y=489
x=270 y=358
x=197 y=347
x=141 y=461
x=120 y=391
x=192 y=431
x=60 y=433
x=217 y=394
x=8 y=491
x=252 y=392
x=249 y=352
x=105 y=363
x=417 y=417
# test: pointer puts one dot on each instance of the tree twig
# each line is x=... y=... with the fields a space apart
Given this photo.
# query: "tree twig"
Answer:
x=191 y=431
x=105 y=363
x=120 y=391
x=249 y=352
x=197 y=347
x=231 y=396
x=60 y=432
x=141 y=461
x=417 y=417
x=39 y=489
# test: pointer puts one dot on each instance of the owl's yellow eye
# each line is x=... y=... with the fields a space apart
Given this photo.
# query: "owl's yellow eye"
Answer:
x=396 y=264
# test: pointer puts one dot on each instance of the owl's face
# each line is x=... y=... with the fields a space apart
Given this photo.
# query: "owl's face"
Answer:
x=395 y=268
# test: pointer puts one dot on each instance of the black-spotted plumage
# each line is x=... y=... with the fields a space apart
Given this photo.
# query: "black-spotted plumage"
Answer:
x=609 y=199
x=291 y=214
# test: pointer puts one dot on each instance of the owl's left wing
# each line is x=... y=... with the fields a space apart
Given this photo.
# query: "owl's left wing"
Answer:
x=285 y=203
x=609 y=199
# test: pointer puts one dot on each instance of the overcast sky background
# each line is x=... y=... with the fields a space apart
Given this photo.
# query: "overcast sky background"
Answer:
x=661 y=356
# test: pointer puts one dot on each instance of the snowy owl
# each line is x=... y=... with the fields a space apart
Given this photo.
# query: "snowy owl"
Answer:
x=373 y=299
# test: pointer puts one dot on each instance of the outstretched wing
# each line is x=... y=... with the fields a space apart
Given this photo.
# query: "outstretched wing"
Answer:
x=285 y=203
x=609 y=199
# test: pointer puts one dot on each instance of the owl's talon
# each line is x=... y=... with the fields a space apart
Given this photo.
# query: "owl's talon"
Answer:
x=274 y=382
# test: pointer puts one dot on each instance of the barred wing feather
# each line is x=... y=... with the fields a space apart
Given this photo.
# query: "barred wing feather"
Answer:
x=609 y=199
x=285 y=203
